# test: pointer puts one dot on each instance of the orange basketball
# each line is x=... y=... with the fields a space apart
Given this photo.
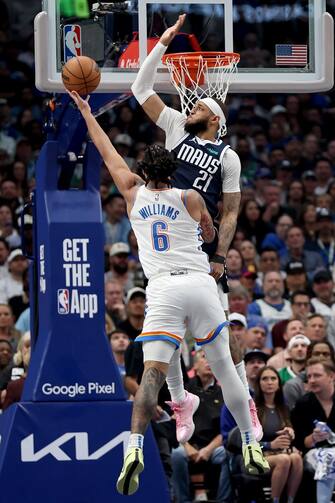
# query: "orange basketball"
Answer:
x=81 y=74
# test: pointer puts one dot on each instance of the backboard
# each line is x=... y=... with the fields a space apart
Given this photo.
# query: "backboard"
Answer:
x=285 y=45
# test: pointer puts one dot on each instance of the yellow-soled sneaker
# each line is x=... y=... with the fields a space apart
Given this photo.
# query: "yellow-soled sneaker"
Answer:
x=254 y=461
x=133 y=465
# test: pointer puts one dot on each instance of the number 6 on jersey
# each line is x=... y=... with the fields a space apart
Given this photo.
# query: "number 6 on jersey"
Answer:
x=160 y=239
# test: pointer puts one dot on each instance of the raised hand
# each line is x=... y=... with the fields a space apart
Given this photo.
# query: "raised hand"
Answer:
x=82 y=105
x=171 y=32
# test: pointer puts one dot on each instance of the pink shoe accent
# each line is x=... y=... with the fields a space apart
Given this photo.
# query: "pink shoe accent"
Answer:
x=256 y=425
x=184 y=416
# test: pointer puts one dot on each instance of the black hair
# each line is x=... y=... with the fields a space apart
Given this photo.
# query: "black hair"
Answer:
x=269 y=249
x=298 y=292
x=157 y=166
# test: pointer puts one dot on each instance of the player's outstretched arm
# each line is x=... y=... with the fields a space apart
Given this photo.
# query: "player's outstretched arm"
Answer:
x=197 y=209
x=144 y=82
x=124 y=179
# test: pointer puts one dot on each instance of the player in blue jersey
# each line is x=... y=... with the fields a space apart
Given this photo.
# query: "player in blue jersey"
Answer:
x=206 y=164
x=166 y=224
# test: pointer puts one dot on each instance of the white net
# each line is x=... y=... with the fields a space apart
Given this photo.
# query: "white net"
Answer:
x=196 y=76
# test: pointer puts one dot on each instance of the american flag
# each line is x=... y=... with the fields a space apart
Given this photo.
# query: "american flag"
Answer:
x=291 y=55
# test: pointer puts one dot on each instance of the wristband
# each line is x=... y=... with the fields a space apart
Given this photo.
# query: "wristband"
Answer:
x=218 y=259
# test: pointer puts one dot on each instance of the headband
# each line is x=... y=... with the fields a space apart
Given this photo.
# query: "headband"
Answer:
x=215 y=108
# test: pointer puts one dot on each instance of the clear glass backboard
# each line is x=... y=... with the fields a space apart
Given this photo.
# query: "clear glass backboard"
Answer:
x=285 y=45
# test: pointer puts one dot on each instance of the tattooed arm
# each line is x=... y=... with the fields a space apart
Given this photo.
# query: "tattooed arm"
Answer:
x=197 y=209
x=231 y=205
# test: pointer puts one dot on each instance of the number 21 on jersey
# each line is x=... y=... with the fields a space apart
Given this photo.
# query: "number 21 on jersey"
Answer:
x=160 y=238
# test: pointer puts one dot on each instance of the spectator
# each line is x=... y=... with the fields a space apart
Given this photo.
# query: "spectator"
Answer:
x=324 y=300
x=281 y=358
x=273 y=208
x=277 y=240
x=205 y=446
x=239 y=300
x=309 y=182
x=273 y=307
x=308 y=222
x=295 y=197
x=135 y=304
x=117 y=225
x=119 y=342
x=301 y=305
x=238 y=327
x=7 y=329
x=21 y=361
x=12 y=285
x=268 y=261
x=23 y=322
x=234 y=262
x=316 y=328
x=7 y=230
x=254 y=360
x=317 y=405
x=297 y=348
x=251 y=222
x=249 y=255
x=6 y=361
x=248 y=280
x=123 y=143
x=9 y=195
x=295 y=388
x=325 y=237
x=296 y=277
x=323 y=172
x=286 y=465
x=119 y=266
x=4 y=252
x=20 y=303
x=295 y=252
x=114 y=304
x=255 y=336
x=284 y=173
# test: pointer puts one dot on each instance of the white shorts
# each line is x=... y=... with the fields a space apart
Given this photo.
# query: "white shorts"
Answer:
x=171 y=299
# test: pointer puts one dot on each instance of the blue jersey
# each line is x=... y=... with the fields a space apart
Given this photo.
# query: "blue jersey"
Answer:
x=200 y=168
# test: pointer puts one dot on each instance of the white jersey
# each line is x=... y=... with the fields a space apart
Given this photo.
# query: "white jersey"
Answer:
x=168 y=237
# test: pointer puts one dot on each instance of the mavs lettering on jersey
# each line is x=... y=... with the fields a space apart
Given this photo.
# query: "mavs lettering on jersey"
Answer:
x=199 y=167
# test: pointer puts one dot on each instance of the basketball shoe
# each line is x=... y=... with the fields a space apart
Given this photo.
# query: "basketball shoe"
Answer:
x=184 y=416
x=254 y=461
x=133 y=465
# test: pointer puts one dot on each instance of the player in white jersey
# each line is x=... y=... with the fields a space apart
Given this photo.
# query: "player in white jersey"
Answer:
x=194 y=140
x=166 y=223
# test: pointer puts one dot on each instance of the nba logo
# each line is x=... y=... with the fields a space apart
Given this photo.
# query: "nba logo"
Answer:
x=63 y=301
x=72 y=41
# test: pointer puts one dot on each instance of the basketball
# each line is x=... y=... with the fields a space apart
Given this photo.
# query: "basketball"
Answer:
x=81 y=74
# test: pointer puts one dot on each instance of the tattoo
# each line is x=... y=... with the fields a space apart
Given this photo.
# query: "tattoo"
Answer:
x=231 y=204
x=146 y=399
x=207 y=228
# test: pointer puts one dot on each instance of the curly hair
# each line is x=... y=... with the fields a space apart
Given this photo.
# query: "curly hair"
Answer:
x=157 y=166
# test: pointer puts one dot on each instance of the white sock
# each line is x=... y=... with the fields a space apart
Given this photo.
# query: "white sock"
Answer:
x=240 y=368
x=136 y=440
x=234 y=393
x=174 y=378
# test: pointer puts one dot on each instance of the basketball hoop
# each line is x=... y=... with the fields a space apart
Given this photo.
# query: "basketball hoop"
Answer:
x=197 y=75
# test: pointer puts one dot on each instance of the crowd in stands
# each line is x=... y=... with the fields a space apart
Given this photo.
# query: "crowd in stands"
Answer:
x=281 y=267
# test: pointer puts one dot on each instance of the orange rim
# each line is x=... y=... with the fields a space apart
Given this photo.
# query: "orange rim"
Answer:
x=211 y=57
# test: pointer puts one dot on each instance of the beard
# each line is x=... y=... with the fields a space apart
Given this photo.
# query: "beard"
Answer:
x=121 y=268
x=196 y=127
x=274 y=293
